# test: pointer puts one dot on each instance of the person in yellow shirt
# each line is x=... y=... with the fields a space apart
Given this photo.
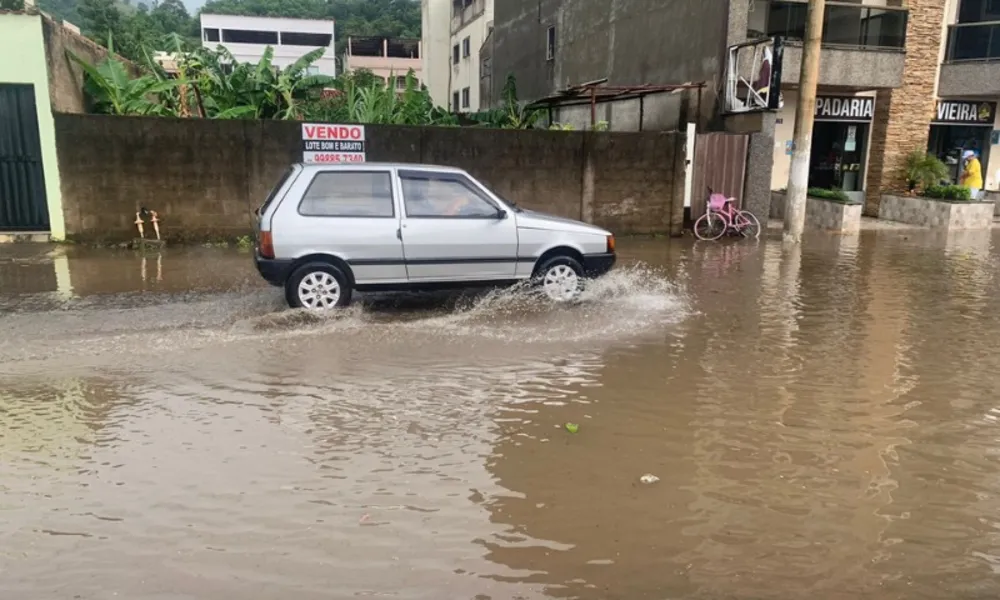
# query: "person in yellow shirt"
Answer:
x=972 y=173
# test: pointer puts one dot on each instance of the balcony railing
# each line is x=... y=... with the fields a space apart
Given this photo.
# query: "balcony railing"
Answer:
x=464 y=12
x=968 y=42
x=852 y=25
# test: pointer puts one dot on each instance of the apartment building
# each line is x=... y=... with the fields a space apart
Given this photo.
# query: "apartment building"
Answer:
x=454 y=33
x=388 y=58
x=248 y=37
x=896 y=76
x=965 y=115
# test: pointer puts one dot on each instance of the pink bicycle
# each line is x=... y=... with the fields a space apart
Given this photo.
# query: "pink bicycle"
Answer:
x=723 y=217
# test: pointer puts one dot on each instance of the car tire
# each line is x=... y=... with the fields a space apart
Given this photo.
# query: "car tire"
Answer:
x=560 y=278
x=318 y=287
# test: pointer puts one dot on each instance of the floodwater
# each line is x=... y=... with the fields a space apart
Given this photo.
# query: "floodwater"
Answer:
x=824 y=422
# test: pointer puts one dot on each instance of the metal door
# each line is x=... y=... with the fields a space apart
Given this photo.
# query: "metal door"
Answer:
x=476 y=242
x=720 y=161
x=23 y=205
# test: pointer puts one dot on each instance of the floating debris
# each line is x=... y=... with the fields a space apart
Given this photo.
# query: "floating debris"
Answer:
x=572 y=427
x=649 y=478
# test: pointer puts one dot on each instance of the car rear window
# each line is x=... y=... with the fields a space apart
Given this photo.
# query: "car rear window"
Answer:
x=274 y=191
x=349 y=194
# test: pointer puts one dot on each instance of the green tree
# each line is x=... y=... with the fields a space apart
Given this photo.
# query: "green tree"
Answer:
x=61 y=9
x=170 y=16
x=100 y=20
x=11 y=4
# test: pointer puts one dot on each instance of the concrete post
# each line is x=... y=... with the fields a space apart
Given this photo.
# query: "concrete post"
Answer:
x=798 y=178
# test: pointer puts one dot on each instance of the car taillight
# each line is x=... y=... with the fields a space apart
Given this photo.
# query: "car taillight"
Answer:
x=266 y=245
x=611 y=244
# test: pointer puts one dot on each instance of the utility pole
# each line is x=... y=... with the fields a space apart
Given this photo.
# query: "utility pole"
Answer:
x=805 y=111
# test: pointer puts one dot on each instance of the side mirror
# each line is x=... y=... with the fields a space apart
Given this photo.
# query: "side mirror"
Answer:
x=501 y=214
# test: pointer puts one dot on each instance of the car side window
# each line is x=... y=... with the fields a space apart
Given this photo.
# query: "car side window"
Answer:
x=349 y=194
x=443 y=195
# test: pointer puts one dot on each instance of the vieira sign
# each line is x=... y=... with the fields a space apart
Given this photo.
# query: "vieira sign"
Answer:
x=965 y=112
x=333 y=144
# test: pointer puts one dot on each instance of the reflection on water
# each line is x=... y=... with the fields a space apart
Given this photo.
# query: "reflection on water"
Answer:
x=822 y=420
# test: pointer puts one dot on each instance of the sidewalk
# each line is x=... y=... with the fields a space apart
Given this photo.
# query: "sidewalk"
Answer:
x=873 y=224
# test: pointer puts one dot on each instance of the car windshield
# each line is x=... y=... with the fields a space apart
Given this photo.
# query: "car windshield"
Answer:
x=513 y=205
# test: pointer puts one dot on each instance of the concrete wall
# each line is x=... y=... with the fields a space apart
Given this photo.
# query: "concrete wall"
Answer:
x=970 y=80
x=935 y=213
x=205 y=177
x=65 y=76
x=630 y=42
x=855 y=68
x=22 y=43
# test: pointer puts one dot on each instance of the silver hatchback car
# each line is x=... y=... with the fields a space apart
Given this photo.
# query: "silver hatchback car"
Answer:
x=327 y=230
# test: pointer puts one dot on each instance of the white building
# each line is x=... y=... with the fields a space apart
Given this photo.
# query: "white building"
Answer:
x=248 y=37
x=453 y=32
x=389 y=59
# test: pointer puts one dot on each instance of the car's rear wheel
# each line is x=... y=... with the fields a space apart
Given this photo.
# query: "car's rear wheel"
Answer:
x=561 y=278
x=318 y=287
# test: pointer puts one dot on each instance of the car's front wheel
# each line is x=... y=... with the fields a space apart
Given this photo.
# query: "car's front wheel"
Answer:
x=318 y=287
x=561 y=278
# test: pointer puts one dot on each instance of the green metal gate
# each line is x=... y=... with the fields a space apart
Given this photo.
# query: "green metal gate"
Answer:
x=23 y=206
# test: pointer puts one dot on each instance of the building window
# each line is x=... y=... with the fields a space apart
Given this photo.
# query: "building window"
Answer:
x=400 y=82
x=248 y=36
x=454 y=54
x=465 y=97
x=454 y=102
x=550 y=43
x=466 y=48
x=978 y=11
x=210 y=35
x=485 y=69
x=315 y=40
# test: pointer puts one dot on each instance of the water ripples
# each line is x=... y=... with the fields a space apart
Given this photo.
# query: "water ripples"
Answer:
x=821 y=422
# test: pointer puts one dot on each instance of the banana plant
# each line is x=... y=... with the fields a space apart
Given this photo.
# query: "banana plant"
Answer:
x=112 y=91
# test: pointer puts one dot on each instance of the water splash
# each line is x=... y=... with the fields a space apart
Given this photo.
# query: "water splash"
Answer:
x=625 y=302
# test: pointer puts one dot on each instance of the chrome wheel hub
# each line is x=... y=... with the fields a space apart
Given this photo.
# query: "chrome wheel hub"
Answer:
x=319 y=291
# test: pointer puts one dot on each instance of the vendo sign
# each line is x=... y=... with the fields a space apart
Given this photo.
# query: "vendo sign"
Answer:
x=333 y=144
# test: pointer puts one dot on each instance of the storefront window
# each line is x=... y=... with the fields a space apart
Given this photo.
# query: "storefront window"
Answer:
x=838 y=155
x=949 y=142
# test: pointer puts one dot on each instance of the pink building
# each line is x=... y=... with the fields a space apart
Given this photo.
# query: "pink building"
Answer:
x=388 y=58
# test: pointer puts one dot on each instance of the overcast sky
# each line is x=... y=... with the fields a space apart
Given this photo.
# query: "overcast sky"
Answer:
x=193 y=5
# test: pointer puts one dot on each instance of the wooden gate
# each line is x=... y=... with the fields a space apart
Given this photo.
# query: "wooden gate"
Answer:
x=720 y=163
x=23 y=205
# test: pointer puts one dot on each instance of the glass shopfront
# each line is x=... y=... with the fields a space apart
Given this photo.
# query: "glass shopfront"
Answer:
x=961 y=125
x=840 y=142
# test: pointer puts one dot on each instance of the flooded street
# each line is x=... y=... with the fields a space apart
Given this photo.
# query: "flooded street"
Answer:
x=823 y=422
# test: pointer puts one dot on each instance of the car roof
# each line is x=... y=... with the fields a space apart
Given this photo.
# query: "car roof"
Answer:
x=384 y=165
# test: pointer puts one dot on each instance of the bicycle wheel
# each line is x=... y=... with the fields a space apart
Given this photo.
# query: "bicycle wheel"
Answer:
x=747 y=224
x=710 y=226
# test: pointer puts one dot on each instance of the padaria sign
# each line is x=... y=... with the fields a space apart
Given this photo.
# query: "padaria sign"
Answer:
x=858 y=109
x=965 y=112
